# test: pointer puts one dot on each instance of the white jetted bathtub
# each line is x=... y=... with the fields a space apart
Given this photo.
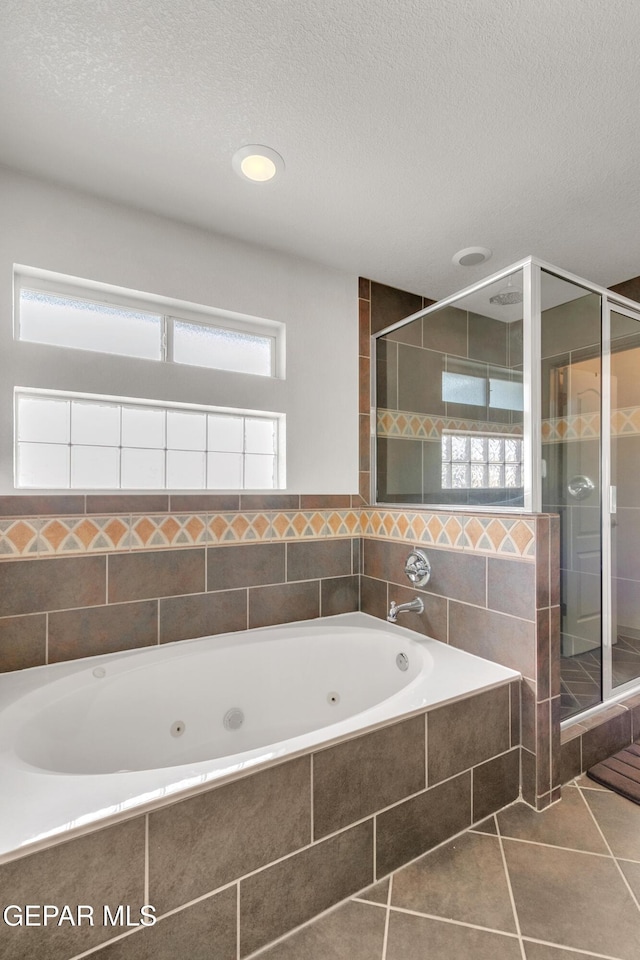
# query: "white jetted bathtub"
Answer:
x=94 y=739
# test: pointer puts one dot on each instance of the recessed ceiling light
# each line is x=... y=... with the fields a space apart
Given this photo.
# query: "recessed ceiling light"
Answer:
x=257 y=162
x=471 y=256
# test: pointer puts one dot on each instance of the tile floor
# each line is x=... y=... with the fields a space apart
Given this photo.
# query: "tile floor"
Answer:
x=580 y=675
x=559 y=885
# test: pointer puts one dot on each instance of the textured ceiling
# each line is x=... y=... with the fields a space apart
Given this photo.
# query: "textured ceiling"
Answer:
x=409 y=129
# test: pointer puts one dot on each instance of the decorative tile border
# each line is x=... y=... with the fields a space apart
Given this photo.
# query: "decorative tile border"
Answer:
x=418 y=426
x=561 y=429
x=83 y=535
x=168 y=530
x=60 y=536
x=624 y=422
x=19 y=538
x=503 y=536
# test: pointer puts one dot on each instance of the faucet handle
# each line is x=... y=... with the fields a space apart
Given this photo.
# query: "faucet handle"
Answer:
x=418 y=568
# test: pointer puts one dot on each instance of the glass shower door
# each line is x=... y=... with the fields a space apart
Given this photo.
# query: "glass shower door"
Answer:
x=571 y=378
x=625 y=498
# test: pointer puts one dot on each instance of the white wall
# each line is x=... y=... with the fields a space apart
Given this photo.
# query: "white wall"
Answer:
x=52 y=228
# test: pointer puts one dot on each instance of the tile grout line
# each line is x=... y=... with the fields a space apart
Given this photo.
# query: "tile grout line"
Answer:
x=374 y=831
x=426 y=750
x=146 y=858
x=385 y=938
x=606 y=842
x=555 y=846
x=510 y=889
x=238 y=922
x=587 y=953
x=454 y=923
x=311 y=810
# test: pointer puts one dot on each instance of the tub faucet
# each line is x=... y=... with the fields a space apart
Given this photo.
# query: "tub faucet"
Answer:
x=415 y=606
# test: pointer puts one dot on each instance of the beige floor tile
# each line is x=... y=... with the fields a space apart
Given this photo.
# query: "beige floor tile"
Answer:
x=464 y=880
x=354 y=931
x=619 y=820
x=574 y=899
x=419 y=938
x=378 y=893
x=565 y=824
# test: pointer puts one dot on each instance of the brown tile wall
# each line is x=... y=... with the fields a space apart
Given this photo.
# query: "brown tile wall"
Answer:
x=500 y=609
x=323 y=826
x=62 y=608
x=378 y=307
x=597 y=737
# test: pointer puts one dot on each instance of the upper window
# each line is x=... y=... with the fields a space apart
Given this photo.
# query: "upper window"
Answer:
x=153 y=420
x=49 y=314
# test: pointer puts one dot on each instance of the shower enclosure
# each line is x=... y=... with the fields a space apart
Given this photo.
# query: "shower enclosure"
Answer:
x=522 y=393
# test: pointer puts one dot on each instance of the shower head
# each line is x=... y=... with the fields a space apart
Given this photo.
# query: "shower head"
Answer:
x=507 y=295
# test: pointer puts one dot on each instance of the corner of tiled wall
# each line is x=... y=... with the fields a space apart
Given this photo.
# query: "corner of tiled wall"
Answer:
x=364 y=393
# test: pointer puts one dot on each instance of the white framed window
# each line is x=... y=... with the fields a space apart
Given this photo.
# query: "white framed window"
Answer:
x=65 y=440
x=132 y=391
x=90 y=316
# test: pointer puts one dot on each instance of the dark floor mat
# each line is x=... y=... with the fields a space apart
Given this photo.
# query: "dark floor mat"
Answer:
x=621 y=772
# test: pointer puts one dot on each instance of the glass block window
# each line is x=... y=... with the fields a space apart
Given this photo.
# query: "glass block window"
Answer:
x=477 y=460
x=67 y=441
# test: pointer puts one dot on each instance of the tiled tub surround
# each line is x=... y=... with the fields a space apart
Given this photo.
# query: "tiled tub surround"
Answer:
x=110 y=722
x=60 y=607
x=323 y=826
x=502 y=608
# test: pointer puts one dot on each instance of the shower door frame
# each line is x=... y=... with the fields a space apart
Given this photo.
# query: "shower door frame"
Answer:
x=532 y=270
x=610 y=692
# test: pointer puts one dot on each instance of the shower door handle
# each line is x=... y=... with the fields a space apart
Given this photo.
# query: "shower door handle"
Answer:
x=580 y=487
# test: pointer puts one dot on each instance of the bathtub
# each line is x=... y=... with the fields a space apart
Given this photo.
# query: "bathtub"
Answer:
x=97 y=740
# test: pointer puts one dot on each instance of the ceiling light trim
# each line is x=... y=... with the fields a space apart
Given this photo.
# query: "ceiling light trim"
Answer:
x=471 y=256
x=257 y=163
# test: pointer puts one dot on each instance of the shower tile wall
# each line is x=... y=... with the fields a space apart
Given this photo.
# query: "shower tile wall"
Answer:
x=412 y=364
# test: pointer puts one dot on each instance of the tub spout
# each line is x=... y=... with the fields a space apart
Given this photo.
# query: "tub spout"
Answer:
x=414 y=606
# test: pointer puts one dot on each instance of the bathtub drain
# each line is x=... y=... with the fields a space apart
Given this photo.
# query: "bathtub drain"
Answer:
x=333 y=697
x=233 y=719
x=177 y=729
